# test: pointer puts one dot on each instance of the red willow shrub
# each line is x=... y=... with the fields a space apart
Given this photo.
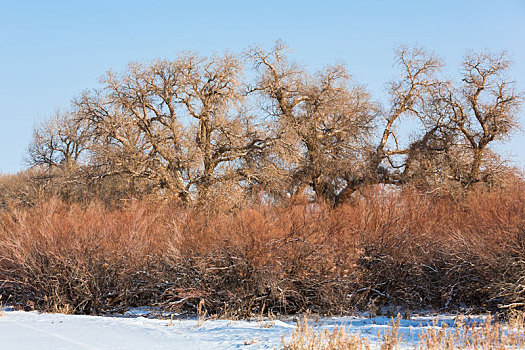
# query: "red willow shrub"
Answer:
x=389 y=248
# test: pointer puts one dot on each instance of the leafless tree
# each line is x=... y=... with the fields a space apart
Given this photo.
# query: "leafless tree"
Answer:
x=61 y=141
x=483 y=109
x=323 y=120
x=180 y=123
x=457 y=121
x=410 y=95
x=195 y=127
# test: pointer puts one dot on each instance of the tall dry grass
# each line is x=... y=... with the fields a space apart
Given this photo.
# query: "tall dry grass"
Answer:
x=389 y=248
x=509 y=334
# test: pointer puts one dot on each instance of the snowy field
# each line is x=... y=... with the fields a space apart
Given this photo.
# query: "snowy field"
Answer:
x=31 y=330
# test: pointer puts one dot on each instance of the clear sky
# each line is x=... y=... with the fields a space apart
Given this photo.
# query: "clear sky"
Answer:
x=52 y=50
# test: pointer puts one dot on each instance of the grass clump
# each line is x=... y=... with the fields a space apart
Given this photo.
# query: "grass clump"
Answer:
x=486 y=335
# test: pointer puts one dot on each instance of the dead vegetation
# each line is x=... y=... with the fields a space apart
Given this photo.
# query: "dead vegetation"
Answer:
x=509 y=334
x=388 y=248
x=227 y=126
x=184 y=184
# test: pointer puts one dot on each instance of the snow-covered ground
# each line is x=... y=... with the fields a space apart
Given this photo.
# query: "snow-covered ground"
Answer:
x=31 y=330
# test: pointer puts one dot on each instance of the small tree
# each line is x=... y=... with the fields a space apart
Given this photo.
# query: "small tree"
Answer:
x=61 y=141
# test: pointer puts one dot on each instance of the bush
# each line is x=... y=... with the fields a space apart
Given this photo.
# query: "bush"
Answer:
x=389 y=248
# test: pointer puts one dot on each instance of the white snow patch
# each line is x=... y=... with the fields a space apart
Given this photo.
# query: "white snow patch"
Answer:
x=31 y=330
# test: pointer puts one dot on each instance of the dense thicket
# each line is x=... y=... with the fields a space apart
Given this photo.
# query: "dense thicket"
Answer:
x=387 y=249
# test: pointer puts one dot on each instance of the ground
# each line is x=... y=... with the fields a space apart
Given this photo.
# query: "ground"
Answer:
x=31 y=330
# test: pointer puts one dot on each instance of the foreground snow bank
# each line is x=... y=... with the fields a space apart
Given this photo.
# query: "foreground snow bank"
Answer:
x=31 y=330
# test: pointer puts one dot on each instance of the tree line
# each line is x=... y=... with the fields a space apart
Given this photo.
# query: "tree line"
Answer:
x=233 y=125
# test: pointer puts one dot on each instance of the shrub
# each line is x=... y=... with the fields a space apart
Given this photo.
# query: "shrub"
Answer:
x=389 y=248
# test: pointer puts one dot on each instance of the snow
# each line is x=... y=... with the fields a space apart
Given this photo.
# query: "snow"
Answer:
x=31 y=330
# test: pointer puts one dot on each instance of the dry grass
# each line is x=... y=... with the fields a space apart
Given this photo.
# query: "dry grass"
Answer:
x=388 y=248
x=465 y=335
x=305 y=337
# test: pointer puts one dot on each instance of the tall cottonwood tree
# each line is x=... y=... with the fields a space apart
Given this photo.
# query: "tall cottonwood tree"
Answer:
x=195 y=127
x=410 y=95
x=178 y=122
x=482 y=108
x=323 y=119
x=458 y=120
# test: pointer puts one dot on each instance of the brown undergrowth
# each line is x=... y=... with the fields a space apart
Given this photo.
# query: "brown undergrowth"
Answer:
x=388 y=248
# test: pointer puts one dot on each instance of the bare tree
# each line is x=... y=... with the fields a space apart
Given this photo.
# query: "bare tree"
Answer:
x=61 y=141
x=323 y=120
x=410 y=94
x=180 y=123
x=483 y=108
x=195 y=128
x=457 y=121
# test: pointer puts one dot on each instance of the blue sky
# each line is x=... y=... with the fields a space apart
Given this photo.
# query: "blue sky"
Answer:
x=52 y=50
